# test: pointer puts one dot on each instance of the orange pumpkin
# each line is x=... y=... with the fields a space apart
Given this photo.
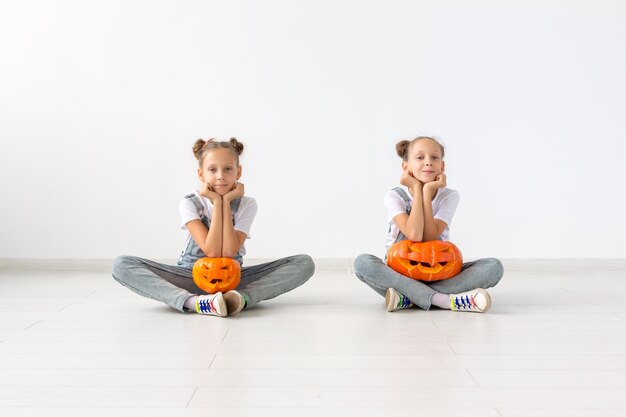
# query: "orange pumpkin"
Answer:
x=425 y=261
x=216 y=274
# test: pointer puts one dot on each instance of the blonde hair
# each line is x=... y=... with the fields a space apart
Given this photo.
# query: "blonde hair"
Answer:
x=402 y=147
x=201 y=148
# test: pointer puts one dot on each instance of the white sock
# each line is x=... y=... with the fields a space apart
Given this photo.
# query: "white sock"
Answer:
x=190 y=303
x=441 y=300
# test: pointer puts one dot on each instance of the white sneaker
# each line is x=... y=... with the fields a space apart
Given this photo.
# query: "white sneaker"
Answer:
x=477 y=300
x=212 y=304
x=396 y=301
x=234 y=302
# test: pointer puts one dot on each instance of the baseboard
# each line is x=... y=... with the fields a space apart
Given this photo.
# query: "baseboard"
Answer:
x=327 y=264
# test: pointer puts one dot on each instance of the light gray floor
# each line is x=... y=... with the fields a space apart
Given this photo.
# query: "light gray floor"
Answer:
x=75 y=343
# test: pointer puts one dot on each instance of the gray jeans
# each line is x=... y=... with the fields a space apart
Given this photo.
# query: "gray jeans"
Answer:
x=174 y=284
x=483 y=273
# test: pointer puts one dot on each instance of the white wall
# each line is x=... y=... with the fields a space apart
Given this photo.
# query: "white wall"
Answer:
x=100 y=102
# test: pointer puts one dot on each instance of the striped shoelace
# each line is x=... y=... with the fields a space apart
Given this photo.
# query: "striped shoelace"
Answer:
x=404 y=302
x=205 y=306
x=465 y=303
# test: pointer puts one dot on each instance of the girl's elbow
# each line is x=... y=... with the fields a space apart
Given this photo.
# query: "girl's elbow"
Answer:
x=436 y=235
x=211 y=253
x=415 y=237
x=230 y=252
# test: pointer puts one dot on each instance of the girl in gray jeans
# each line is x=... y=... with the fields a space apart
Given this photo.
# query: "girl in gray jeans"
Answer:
x=217 y=220
x=421 y=211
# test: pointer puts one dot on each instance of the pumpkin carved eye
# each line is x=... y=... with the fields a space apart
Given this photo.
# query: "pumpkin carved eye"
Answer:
x=426 y=264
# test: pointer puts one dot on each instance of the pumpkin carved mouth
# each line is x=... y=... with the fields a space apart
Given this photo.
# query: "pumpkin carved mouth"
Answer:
x=424 y=267
x=426 y=264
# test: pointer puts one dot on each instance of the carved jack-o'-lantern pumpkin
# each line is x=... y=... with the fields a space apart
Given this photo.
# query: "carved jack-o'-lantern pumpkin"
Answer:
x=216 y=274
x=425 y=261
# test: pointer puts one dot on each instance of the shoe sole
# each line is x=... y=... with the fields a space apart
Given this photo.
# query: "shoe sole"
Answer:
x=390 y=300
x=221 y=309
x=487 y=298
x=234 y=303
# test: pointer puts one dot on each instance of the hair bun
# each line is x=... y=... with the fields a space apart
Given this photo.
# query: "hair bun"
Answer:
x=402 y=147
x=237 y=146
x=197 y=148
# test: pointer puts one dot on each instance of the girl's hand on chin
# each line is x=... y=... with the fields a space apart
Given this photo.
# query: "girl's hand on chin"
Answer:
x=408 y=180
x=432 y=187
x=441 y=180
x=207 y=191
x=237 y=192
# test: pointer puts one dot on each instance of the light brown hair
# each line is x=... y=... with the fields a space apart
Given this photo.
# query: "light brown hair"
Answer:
x=402 y=147
x=201 y=148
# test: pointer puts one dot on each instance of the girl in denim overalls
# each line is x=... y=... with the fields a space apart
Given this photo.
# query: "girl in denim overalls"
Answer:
x=217 y=220
x=422 y=212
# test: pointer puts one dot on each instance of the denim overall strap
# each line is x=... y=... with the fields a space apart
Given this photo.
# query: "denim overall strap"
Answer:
x=192 y=251
x=234 y=206
x=407 y=202
x=196 y=202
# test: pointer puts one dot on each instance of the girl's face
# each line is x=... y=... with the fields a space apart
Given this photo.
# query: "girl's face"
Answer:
x=424 y=160
x=220 y=170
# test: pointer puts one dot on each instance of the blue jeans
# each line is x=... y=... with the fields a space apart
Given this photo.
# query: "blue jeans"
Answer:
x=174 y=284
x=483 y=273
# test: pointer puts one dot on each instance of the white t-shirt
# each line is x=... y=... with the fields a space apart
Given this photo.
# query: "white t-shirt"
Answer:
x=243 y=217
x=444 y=205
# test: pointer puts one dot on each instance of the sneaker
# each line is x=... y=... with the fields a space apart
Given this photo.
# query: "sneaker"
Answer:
x=234 y=302
x=396 y=301
x=212 y=304
x=477 y=301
